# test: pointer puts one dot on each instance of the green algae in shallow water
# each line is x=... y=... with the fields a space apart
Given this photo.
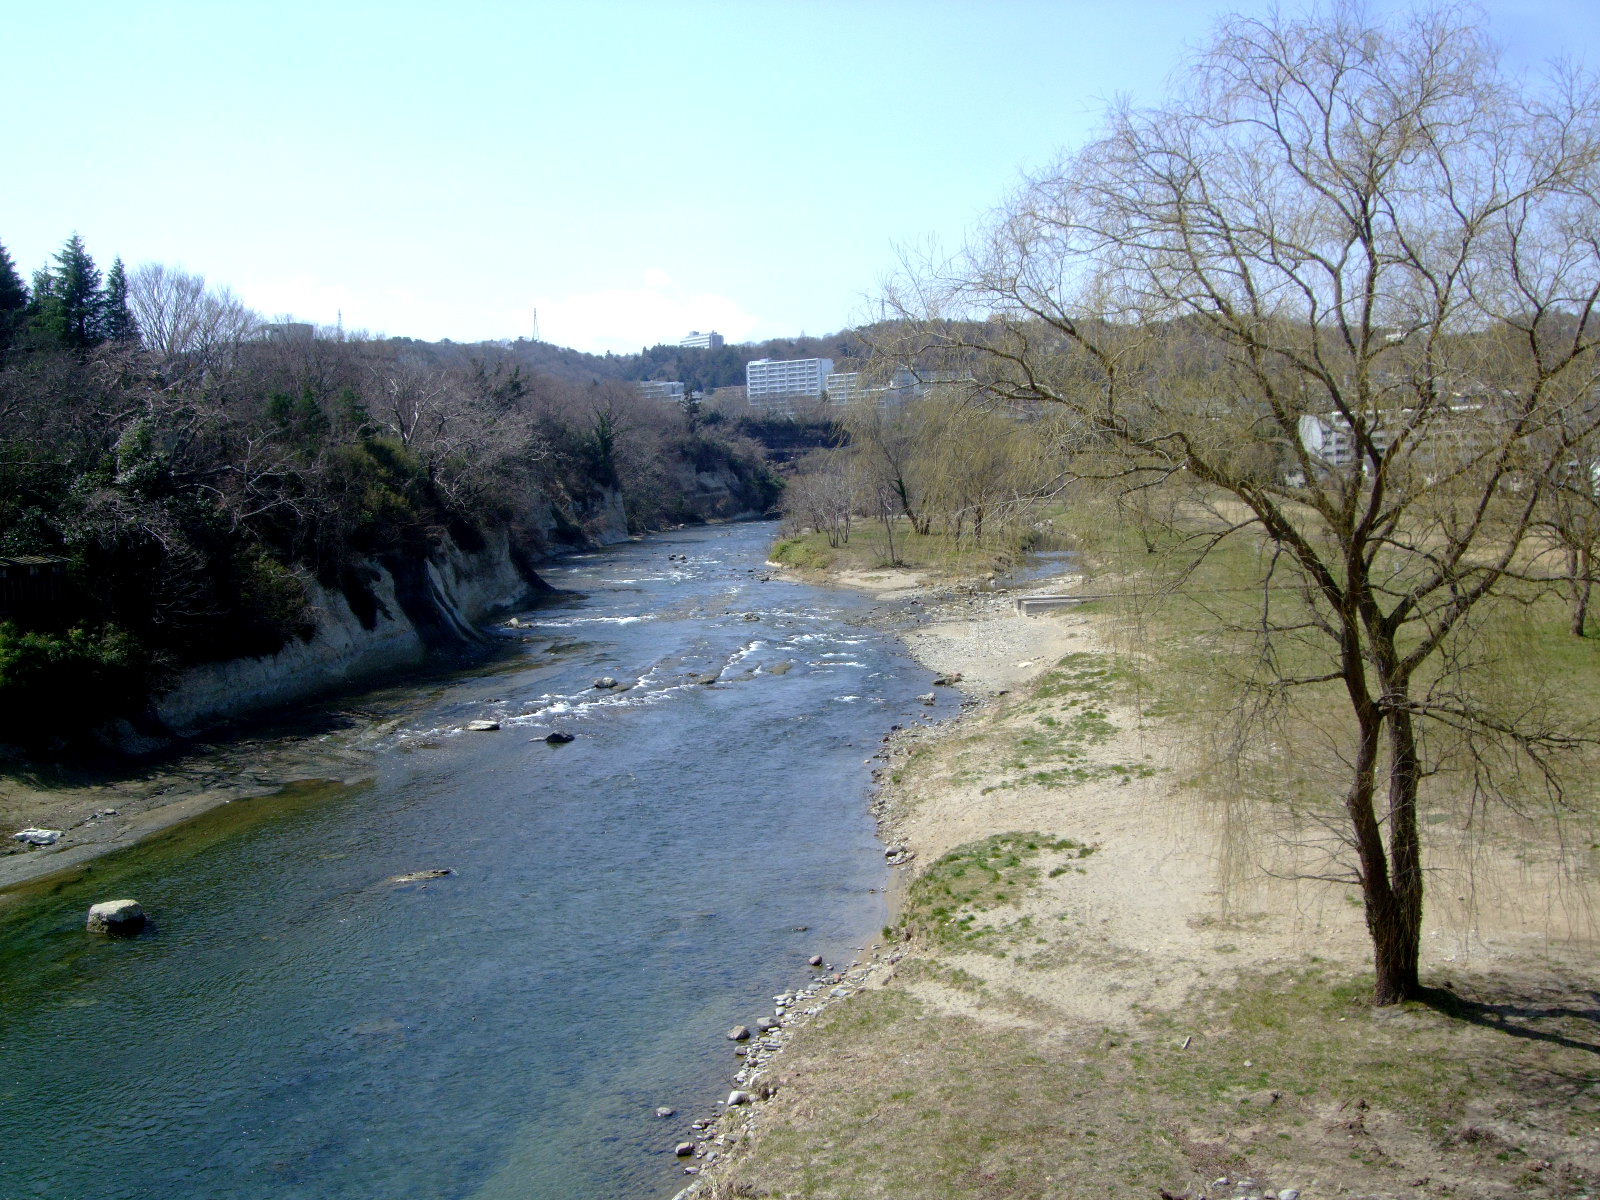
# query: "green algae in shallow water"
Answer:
x=42 y=947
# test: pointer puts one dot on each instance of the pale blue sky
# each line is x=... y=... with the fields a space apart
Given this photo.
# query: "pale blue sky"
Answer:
x=630 y=169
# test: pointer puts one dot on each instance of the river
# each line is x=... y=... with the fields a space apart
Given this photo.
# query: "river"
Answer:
x=296 y=1026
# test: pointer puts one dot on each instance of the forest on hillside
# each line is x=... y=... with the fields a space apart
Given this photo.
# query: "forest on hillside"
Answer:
x=192 y=470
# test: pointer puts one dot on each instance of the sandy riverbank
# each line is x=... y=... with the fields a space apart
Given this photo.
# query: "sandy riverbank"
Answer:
x=1157 y=1000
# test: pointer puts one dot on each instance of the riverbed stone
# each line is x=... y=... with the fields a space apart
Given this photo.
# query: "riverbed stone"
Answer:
x=736 y=1098
x=37 y=837
x=665 y=1112
x=116 y=918
x=815 y=960
x=683 y=1149
x=483 y=726
x=739 y=1033
x=780 y=668
x=605 y=681
x=766 y=1023
x=927 y=698
x=558 y=738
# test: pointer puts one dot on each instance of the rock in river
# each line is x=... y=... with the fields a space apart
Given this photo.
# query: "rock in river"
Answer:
x=422 y=876
x=558 y=738
x=117 y=918
x=483 y=726
x=605 y=681
x=739 y=1033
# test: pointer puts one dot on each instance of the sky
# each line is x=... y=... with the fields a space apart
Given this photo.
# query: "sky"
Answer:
x=622 y=172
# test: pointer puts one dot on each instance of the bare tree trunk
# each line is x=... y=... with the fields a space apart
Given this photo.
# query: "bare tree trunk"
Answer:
x=1579 y=571
x=1394 y=949
x=1398 y=952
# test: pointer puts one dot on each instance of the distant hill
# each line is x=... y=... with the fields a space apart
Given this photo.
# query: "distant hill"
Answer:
x=700 y=369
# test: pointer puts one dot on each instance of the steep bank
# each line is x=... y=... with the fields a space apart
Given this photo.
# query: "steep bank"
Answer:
x=406 y=612
x=1098 y=985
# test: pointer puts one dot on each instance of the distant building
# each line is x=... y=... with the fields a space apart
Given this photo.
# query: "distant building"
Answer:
x=784 y=383
x=662 y=389
x=843 y=387
x=287 y=331
x=702 y=341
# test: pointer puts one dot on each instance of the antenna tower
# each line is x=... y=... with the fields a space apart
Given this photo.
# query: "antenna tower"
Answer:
x=536 y=324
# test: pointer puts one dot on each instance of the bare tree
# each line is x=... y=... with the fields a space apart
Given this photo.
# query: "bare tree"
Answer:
x=1347 y=279
x=182 y=321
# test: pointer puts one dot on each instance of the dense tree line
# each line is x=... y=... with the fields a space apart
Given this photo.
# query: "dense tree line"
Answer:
x=198 y=474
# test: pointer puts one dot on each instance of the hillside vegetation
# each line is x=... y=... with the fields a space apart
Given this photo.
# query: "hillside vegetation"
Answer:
x=194 y=470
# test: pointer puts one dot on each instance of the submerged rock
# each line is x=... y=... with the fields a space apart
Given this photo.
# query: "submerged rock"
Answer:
x=664 y=1112
x=116 y=918
x=780 y=668
x=422 y=876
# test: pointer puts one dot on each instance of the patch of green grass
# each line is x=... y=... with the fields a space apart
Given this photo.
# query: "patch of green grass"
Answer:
x=935 y=552
x=948 y=902
x=808 y=552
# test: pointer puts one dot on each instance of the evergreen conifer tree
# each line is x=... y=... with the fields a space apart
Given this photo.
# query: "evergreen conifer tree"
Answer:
x=13 y=299
x=68 y=300
x=117 y=323
x=13 y=292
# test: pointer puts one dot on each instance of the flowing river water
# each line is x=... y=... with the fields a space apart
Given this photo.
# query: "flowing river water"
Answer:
x=296 y=1026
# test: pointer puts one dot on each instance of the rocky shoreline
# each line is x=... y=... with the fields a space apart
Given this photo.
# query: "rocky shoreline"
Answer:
x=974 y=639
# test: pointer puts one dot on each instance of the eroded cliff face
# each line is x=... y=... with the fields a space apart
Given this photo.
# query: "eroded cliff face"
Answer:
x=410 y=610
x=396 y=613
x=403 y=610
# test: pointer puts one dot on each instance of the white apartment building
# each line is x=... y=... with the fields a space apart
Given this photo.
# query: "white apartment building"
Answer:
x=662 y=389
x=843 y=387
x=778 y=383
x=710 y=340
